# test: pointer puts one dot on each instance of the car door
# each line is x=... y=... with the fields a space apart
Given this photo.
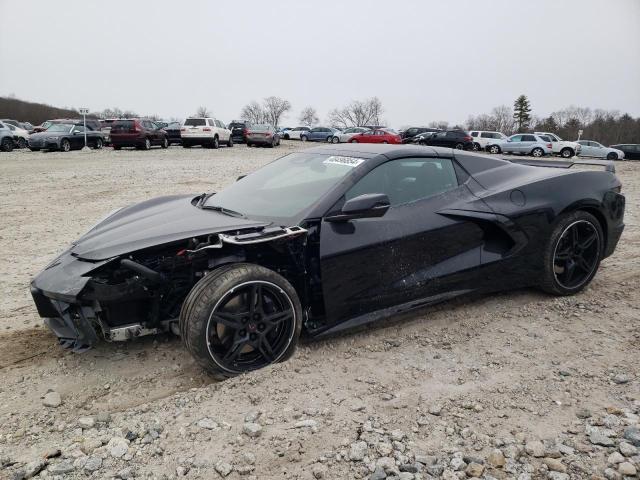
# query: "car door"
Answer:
x=76 y=138
x=528 y=143
x=410 y=253
x=513 y=145
x=438 y=140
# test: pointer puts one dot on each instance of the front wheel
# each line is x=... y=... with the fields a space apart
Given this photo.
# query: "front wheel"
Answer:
x=216 y=143
x=230 y=142
x=22 y=143
x=573 y=253
x=612 y=156
x=476 y=146
x=65 y=146
x=494 y=149
x=335 y=140
x=286 y=136
x=459 y=146
x=165 y=143
x=240 y=318
x=537 y=152
x=353 y=141
x=98 y=144
x=147 y=144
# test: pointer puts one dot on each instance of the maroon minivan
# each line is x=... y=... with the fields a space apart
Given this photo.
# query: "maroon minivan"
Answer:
x=139 y=133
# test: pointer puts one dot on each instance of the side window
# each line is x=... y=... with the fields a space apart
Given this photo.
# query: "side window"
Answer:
x=407 y=180
x=516 y=138
x=475 y=134
x=483 y=135
x=528 y=138
x=210 y=122
x=220 y=124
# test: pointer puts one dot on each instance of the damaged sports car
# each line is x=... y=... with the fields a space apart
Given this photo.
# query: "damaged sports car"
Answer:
x=325 y=239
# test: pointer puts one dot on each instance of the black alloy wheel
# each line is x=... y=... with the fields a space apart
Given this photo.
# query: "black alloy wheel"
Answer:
x=577 y=254
x=22 y=143
x=251 y=326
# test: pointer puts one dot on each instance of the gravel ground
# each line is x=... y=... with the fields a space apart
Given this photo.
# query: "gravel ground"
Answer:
x=519 y=385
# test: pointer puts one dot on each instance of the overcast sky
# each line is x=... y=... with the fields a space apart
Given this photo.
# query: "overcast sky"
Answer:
x=426 y=60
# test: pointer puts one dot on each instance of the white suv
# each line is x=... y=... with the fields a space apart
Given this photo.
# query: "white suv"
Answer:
x=207 y=132
x=489 y=141
x=562 y=147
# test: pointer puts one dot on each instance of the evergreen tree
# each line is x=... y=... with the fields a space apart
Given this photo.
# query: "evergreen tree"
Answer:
x=522 y=112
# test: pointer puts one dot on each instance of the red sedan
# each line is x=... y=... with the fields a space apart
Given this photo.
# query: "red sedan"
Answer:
x=377 y=135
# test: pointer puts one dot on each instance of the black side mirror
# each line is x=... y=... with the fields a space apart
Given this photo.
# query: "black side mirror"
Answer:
x=369 y=205
x=240 y=177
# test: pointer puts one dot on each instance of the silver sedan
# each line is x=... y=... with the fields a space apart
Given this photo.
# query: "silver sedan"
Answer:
x=346 y=134
x=597 y=150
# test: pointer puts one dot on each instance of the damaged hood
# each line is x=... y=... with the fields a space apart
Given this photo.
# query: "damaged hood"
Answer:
x=154 y=222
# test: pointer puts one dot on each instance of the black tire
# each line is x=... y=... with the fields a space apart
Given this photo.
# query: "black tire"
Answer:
x=165 y=143
x=286 y=136
x=612 y=156
x=537 y=152
x=572 y=254
x=216 y=143
x=335 y=140
x=495 y=149
x=206 y=322
x=459 y=146
x=249 y=144
x=303 y=138
x=98 y=144
x=7 y=144
x=65 y=146
x=566 y=152
x=117 y=147
x=22 y=143
x=476 y=147
x=230 y=142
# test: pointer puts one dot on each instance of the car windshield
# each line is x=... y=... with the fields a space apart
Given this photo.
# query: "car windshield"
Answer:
x=284 y=189
x=59 y=127
x=195 y=122
x=260 y=128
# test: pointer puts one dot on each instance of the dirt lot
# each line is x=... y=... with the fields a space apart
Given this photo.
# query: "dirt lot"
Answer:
x=519 y=385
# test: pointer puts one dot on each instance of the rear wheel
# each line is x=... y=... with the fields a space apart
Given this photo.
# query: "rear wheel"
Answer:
x=353 y=140
x=98 y=144
x=494 y=149
x=573 y=254
x=459 y=146
x=22 y=143
x=286 y=136
x=476 y=146
x=240 y=318
x=566 y=153
x=537 y=152
x=612 y=156
x=147 y=144
x=216 y=142
x=165 y=143
x=7 y=144
x=230 y=142
x=65 y=146
x=335 y=140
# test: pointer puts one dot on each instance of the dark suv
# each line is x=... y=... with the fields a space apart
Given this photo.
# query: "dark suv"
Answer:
x=408 y=134
x=137 y=132
x=239 y=130
x=451 y=138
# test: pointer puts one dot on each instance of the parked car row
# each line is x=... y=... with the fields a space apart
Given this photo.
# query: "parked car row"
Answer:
x=68 y=133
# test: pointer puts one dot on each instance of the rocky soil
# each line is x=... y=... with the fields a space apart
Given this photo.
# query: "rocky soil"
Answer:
x=519 y=385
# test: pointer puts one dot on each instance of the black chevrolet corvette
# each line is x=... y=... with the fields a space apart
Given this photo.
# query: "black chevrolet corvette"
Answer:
x=325 y=239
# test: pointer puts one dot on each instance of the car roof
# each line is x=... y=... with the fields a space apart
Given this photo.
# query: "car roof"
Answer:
x=370 y=150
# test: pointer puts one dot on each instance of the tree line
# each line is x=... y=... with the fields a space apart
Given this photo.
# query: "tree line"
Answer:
x=606 y=126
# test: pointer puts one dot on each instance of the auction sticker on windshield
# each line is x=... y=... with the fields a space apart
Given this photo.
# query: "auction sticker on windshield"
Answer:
x=347 y=161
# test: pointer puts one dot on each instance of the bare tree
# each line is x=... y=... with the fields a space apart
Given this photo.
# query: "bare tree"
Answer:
x=308 y=117
x=253 y=113
x=502 y=118
x=274 y=108
x=358 y=113
x=441 y=124
x=203 y=112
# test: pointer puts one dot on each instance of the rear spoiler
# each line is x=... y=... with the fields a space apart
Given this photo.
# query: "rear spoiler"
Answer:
x=608 y=165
